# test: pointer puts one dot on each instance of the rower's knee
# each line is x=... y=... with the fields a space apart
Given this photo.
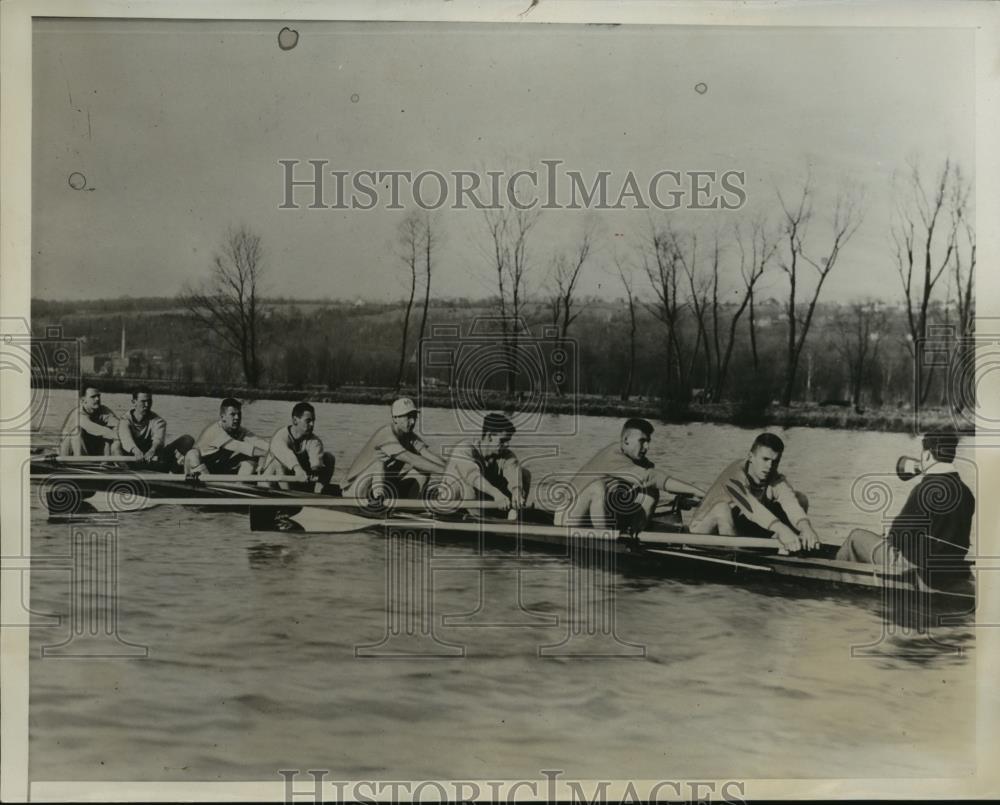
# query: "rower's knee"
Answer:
x=717 y=520
x=648 y=500
x=182 y=445
x=861 y=545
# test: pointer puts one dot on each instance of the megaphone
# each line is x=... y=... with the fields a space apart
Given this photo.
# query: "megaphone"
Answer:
x=908 y=468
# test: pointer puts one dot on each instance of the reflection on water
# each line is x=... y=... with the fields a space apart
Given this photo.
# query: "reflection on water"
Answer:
x=263 y=555
x=254 y=647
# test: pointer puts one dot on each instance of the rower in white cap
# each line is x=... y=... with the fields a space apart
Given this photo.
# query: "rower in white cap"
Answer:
x=395 y=461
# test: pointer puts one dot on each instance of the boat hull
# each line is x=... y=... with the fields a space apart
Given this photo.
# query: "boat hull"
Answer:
x=660 y=551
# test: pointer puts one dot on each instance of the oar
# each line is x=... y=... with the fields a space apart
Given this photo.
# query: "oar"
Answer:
x=62 y=475
x=752 y=508
x=139 y=502
x=89 y=459
x=702 y=558
x=648 y=539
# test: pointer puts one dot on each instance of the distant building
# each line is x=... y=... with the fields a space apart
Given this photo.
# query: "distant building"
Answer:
x=104 y=365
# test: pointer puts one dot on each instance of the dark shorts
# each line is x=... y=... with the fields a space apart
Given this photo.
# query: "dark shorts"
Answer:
x=93 y=445
x=220 y=463
x=746 y=528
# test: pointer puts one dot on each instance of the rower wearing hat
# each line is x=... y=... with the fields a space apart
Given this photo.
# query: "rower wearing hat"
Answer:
x=395 y=459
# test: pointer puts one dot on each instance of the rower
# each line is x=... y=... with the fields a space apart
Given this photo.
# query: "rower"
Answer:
x=934 y=524
x=751 y=498
x=225 y=447
x=486 y=467
x=619 y=487
x=395 y=461
x=91 y=429
x=143 y=433
x=295 y=451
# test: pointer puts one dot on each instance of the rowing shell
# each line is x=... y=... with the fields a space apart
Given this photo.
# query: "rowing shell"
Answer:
x=664 y=548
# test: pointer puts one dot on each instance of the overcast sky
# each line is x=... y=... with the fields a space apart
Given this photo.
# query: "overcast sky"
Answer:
x=178 y=128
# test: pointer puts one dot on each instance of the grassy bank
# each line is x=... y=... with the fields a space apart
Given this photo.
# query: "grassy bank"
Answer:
x=810 y=415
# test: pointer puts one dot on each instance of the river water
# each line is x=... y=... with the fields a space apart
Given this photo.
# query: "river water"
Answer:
x=252 y=644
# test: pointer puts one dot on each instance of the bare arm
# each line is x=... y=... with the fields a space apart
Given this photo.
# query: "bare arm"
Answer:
x=677 y=487
x=159 y=434
x=108 y=431
x=125 y=436
x=425 y=462
x=482 y=485
x=248 y=446
x=797 y=516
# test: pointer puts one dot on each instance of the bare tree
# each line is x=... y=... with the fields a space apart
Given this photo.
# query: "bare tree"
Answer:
x=925 y=233
x=963 y=277
x=662 y=264
x=629 y=285
x=566 y=271
x=227 y=302
x=431 y=241
x=698 y=295
x=756 y=251
x=565 y=274
x=860 y=328
x=847 y=218
x=409 y=237
x=508 y=230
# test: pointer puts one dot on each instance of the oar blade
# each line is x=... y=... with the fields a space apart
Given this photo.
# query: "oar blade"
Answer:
x=310 y=519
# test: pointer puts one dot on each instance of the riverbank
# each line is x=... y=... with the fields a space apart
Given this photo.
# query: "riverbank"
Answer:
x=741 y=414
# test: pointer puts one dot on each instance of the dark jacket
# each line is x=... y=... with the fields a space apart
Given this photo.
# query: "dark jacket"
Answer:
x=935 y=522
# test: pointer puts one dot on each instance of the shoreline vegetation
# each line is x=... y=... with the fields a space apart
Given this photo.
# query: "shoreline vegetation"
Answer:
x=747 y=414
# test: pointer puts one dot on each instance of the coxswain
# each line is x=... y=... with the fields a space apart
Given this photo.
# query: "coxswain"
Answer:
x=226 y=447
x=91 y=429
x=395 y=461
x=143 y=434
x=751 y=498
x=296 y=451
x=620 y=486
x=935 y=524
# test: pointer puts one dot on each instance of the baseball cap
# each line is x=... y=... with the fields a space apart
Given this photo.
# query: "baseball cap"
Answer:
x=404 y=406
